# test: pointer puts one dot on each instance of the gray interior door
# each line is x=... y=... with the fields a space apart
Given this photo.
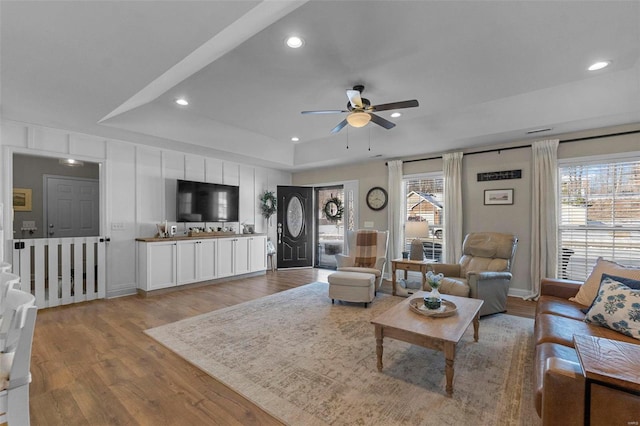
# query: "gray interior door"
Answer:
x=72 y=207
x=295 y=226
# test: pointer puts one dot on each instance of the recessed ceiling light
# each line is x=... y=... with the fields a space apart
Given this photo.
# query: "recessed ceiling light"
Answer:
x=182 y=102
x=599 y=65
x=295 y=42
x=295 y=139
x=396 y=115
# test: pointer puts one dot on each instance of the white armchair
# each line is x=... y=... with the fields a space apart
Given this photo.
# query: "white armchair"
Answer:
x=351 y=263
x=18 y=322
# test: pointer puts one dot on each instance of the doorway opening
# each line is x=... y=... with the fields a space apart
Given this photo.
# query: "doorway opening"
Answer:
x=330 y=219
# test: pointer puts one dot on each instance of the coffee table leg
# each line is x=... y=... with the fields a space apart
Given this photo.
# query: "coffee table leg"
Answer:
x=379 y=346
x=476 y=326
x=449 y=355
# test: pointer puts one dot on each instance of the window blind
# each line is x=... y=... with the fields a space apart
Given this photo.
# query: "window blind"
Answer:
x=599 y=216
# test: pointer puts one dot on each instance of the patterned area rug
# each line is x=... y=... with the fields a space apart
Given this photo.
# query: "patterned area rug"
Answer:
x=308 y=362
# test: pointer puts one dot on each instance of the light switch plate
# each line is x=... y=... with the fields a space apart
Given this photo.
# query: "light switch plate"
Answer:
x=368 y=224
x=30 y=224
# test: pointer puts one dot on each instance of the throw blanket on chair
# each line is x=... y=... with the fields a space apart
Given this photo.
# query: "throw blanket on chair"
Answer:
x=366 y=249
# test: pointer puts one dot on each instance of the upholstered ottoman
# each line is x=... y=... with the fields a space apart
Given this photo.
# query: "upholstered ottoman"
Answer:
x=352 y=287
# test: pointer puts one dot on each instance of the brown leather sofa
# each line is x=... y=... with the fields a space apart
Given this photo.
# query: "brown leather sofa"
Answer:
x=560 y=385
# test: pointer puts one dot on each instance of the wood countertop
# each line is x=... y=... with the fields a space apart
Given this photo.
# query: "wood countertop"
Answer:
x=198 y=236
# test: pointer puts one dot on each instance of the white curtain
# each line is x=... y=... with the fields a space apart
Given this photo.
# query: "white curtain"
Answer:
x=396 y=208
x=453 y=206
x=544 y=208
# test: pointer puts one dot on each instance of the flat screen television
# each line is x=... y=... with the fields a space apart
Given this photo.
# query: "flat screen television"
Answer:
x=206 y=202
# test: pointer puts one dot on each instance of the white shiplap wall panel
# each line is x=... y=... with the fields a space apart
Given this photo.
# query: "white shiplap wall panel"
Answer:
x=14 y=134
x=121 y=253
x=247 y=192
x=213 y=169
x=230 y=173
x=260 y=185
x=46 y=139
x=149 y=190
x=87 y=146
x=173 y=164
x=194 y=168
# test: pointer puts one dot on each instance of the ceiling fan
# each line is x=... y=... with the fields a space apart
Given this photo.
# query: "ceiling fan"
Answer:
x=361 y=111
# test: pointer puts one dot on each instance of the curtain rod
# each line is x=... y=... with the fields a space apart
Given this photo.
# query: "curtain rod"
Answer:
x=586 y=138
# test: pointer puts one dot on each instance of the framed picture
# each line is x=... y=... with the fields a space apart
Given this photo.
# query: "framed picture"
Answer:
x=21 y=199
x=498 y=196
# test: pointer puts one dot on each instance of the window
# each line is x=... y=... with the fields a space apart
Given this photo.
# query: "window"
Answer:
x=424 y=213
x=329 y=234
x=599 y=215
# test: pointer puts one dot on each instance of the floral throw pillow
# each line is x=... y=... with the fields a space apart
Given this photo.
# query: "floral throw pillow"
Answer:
x=616 y=307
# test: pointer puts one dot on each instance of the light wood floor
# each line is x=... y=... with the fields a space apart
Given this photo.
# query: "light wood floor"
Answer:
x=93 y=365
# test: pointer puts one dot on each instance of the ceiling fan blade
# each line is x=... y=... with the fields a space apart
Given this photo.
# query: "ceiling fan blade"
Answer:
x=382 y=121
x=339 y=126
x=354 y=98
x=395 y=105
x=327 y=111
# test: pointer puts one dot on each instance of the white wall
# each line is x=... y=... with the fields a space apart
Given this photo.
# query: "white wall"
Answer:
x=138 y=188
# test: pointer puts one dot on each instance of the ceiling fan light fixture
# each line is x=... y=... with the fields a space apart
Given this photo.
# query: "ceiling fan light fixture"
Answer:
x=182 y=102
x=358 y=119
x=396 y=115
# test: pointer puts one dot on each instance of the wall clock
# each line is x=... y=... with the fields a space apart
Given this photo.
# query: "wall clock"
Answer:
x=377 y=198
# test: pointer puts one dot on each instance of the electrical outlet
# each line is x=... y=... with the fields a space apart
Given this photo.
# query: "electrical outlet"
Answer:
x=117 y=226
x=28 y=224
x=368 y=224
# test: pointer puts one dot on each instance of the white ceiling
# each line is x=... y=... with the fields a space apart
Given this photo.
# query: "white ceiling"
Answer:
x=484 y=73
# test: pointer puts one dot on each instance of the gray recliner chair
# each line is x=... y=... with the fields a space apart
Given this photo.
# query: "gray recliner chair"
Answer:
x=483 y=272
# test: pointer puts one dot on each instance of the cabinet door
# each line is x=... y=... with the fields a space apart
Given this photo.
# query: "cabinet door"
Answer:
x=207 y=260
x=161 y=265
x=226 y=248
x=258 y=253
x=242 y=262
x=187 y=261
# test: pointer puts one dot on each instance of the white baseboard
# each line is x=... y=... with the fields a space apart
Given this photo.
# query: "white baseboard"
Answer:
x=519 y=292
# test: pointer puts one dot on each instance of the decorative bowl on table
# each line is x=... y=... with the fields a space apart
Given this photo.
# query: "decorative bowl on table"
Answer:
x=446 y=309
x=432 y=302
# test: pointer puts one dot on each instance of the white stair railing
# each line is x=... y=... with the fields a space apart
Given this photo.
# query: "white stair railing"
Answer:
x=61 y=271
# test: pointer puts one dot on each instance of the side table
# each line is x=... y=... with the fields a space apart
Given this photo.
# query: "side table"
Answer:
x=408 y=265
x=614 y=368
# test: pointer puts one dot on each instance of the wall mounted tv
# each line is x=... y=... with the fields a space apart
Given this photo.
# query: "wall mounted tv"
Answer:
x=206 y=202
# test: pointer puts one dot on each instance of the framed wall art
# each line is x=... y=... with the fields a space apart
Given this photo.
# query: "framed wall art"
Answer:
x=498 y=196
x=22 y=199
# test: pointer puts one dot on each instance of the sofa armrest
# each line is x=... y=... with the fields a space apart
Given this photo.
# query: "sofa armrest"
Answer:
x=344 y=261
x=446 y=269
x=380 y=262
x=562 y=393
x=559 y=287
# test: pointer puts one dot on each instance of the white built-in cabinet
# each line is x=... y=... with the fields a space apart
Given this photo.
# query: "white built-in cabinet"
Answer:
x=241 y=255
x=196 y=261
x=175 y=262
x=157 y=265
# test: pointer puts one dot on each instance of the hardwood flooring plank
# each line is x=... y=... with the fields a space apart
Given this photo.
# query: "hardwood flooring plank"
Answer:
x=92 y=364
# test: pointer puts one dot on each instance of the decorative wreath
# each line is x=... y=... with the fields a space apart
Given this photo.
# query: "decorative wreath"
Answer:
x=328 y=211
x=269 y=204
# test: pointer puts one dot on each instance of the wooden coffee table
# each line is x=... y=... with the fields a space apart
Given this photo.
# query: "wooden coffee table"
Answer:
x=441 y=334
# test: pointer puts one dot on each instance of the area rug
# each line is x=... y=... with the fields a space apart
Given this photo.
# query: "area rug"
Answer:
x=308 y=362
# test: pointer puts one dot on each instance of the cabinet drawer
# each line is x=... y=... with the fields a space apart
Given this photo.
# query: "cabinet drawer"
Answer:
x=409 y=267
